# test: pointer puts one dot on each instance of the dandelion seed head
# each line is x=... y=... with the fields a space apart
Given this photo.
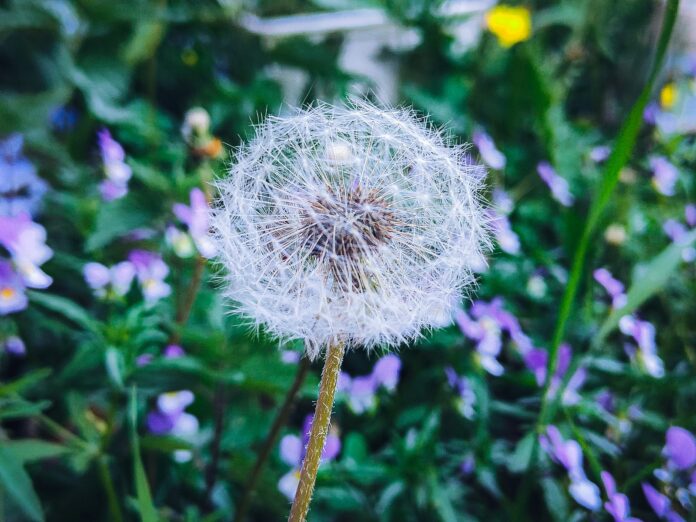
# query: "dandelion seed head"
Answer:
x=349 y=223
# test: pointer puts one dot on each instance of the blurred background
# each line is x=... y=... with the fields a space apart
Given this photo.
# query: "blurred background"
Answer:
x=127 y=390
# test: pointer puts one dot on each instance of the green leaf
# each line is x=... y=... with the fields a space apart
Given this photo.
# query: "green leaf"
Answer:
x=16 y=484
x=114 y=365
x=30 y=450
x=65 y=307
x=146 y=508
x=120 y=217
x=556 y=499
x=18 y=408
x=520 y=459
x=650 y=279
x=27 y=381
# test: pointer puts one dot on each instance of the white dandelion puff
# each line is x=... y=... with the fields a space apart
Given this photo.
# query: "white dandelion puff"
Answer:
x=349 y=224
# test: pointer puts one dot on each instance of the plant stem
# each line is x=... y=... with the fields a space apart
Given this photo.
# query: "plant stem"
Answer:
x=318 y=432
x=268 y=444
x=184 y=311
x=112 y=499
x=219 y=402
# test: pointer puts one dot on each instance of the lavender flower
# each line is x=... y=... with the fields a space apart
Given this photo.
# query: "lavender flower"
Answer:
x=489 y=153
x=292 y=449
x=690 y=214
x=151 y=272
x=569 y=455
x=180 y=242
x=13 y=344
x=665 y=175
x=290 y=356
x=12 y=290
x=643 y=334
x=680 y=448
x=106 y=282
x=196 y=218
x=600 y=153
x=489 y=322
x=677 y=232
x=386 y=372
x=466 y=399
x=21 y=190
x=536 y=360
x=170 y=419
x=661 y=504
x=617 y=505
x=351 y=223
x=614 y=287
x=560 y=190
x=507 y=239
x=26 y=243
x=502 y=201
x=117 y=172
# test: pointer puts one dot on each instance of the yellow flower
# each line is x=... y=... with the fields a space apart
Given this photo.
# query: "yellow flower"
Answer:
x=668 y=96
x=509 y=24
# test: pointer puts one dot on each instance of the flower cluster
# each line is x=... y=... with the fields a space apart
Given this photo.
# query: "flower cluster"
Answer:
x=21 y=189
x=195 y=217
x=678 y=232
x=466 y=399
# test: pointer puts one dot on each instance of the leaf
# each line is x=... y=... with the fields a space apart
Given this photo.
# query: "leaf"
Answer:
x=555 y=498
x=18 y=408
x=520 y=459
x=146 y=508
x=114 y=365
x=120 y=217
x=28 y=380
x=652 y=277
x=30 y=450
x=65 y=307
x=16 y=484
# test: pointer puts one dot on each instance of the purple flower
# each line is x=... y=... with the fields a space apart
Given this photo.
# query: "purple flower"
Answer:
x=290 y=356
x=117 y=172
x=144 y=359
x=600 y=153
x=617 y=505
x=569 y=455
x=466 y=398
x=536 y=360
x=180 y=241
x=677 y=232
x=502 y=201
x=174 y=351
x=651 y=112
x=14 y=345
x=489 y=322
x=292 y=450
x=665 y=175
x=386 y=372
x=21 y=190
x=12 y=291
x=614 y=287
x=680 y=448
x=107 y=281
x=361 y=396
x=643 y=334
x=196 y=219
x=63 y=119
x=690 y=214
x=26 y=243
x=151 y=272
x=661 y=505
x=170 y=419
x=507 y=239
x=560 y=190
x=489 y=153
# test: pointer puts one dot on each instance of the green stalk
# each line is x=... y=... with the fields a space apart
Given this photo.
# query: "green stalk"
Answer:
x=620 y=155
x=108 y=483
x=318 y=433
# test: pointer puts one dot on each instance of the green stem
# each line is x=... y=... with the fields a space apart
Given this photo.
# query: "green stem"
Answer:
x=112 y=499
x=268 y=444
x=619 y=157
x=318 y=433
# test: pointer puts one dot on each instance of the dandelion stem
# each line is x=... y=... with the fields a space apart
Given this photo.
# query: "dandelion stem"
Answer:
x=318 y=432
